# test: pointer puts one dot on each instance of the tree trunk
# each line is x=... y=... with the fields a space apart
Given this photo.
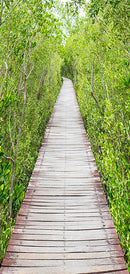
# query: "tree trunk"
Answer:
x=92 y=89
x=41 y=83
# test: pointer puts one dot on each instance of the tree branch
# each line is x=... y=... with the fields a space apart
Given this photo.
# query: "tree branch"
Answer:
x=17 y=143
x=21 y=122
x=42 y=82
x=127 y=52
x=30 y=71
x=101 y=76
x=20 y=79
x=92 y=82
x=9 y=13
x=8 y=158
x=1 y=11
x=10 y=134
x=22 y=115
x=6 y=71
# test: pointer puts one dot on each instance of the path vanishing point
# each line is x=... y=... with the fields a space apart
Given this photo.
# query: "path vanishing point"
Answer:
x=64 y=224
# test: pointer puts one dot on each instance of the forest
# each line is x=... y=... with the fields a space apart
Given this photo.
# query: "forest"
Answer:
x=87 y=42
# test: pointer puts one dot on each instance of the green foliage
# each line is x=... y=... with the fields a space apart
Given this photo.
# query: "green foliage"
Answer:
x=99 y=37
x=96 y=58
x=73 y=6
x=4 y=200
x=30 y=41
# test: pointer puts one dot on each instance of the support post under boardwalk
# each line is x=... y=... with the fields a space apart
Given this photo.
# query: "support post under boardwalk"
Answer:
x=64 y=224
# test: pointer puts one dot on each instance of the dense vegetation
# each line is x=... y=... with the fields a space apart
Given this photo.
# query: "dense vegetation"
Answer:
x=30 y=82
x=97 y=60
x=33 y=59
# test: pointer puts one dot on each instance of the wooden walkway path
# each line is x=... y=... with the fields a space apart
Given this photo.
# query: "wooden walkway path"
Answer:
x=64 y=224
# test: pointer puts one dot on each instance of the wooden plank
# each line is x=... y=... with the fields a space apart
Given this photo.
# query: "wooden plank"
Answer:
x=71 y=248
x=74 y=244
x=76 y=235
x=69 y=262
x=63 y=270
x=60 y=256
x=85 y=225
x=86 y=233
x=53 y=209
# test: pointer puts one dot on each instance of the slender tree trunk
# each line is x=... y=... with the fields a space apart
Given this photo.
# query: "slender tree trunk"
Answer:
x=15 y=149
x=75 y=74
x=12 y=186
x=92 y=93
x=50 y=88
x=1 y=13
x=41 y=83
x=6 y=72
x=18 y=139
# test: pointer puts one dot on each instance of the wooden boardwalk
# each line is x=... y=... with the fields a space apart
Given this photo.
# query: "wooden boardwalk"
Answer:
x=64 y=224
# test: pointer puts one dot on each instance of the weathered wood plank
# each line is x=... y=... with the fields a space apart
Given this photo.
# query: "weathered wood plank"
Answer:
x=56 y=262
x=60 y=256
x=85 y=225
x=48 y=243
x=69 y=269
x=64 y=224
x=69 y=248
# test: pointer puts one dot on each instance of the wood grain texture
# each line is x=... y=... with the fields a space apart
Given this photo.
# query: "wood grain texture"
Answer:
x=64 y=224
